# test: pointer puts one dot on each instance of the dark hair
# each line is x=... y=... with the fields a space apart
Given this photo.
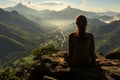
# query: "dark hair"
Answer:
x=81 y=22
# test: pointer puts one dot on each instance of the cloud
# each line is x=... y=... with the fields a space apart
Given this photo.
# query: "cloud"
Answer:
x=21 y=1
x=58 y=5
x=3 y=6
x=52 y=3
x=49 y=4
x=86 y=5
x=84 y=0
x=45 y=4
x=91 y=9
x=17 y=1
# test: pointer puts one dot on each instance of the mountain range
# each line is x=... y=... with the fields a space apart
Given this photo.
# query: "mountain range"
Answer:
x=24 y=10
x=16 y=32
x=25 y=23
x=64 y=16
x=67 y=13
x=10 y=42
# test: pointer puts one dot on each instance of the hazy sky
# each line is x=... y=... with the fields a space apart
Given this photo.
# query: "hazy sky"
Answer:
x=88 y=5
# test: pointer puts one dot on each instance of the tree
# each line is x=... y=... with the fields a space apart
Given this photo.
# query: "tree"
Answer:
x=46 y=49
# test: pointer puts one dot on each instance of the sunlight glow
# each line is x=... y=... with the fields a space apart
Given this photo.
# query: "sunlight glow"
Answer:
x=87 y=5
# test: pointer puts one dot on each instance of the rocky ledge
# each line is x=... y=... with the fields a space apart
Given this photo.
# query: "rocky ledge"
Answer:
x=54 y=67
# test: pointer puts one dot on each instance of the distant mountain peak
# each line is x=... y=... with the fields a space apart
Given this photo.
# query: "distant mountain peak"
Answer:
x=68 y=8
x=14 y=12
x=1 y=9
x=20 y=5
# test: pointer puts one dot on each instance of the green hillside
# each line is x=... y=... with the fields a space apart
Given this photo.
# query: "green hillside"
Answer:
x=8 y=46
x=17 y=32
x=107 y=37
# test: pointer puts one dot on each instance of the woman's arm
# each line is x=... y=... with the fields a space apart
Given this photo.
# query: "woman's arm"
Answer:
x=92 y=49
x=70 y=45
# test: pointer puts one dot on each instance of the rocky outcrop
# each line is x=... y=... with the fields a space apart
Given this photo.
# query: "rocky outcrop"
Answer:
x=114 y=55
x=54 y=67
x=111 y=67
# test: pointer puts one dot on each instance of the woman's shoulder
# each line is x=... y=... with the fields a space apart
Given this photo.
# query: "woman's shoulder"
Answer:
x=73 y=34
x=89 y=34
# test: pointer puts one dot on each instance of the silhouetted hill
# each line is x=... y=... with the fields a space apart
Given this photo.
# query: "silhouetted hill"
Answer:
x=17 y=30
x=108 y=13
x=15 y=19
x=65 y=14
x=118 y=15
x=68 y=13
x=94 y=24
x=105 y=17
x=109 y=28
x=8 y=32
x=22 y=9
x=115 y=54
x=8 y=46
x=107 y=37
x=30 y=13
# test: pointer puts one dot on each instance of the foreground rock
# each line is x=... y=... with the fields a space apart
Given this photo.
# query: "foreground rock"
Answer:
x=54 y=67
x=114 y=55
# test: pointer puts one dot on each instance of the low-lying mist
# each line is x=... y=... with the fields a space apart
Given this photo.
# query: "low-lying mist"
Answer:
x=61 y=23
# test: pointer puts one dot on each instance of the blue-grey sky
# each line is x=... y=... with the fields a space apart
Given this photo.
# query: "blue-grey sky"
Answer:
x=88 y=5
